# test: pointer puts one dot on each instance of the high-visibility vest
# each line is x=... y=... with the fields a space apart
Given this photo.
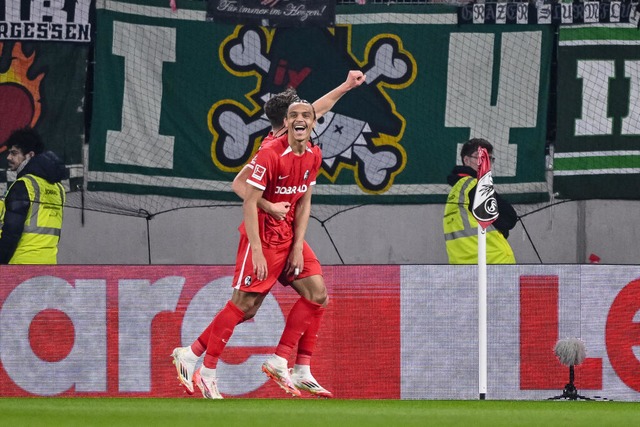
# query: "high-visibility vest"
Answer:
x=39 y=241
x=461 y=230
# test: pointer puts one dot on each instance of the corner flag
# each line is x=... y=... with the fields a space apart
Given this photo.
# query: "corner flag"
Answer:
x=485 y=206
x=485 y=210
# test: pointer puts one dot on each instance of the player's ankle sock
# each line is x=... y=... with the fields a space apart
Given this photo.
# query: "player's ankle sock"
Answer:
x=208 y=373
x=301 y=369
x=278 y=360
x=200 y=345
x=197 y=348
x=190 y=355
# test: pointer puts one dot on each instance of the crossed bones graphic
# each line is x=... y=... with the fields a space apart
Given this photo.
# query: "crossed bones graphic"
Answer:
x=339 y=136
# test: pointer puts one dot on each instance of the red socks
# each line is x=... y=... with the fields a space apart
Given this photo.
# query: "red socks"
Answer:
x=220 y=330
x=308 y=341
x=301 y=329
x=199 y=346
x=303 y=314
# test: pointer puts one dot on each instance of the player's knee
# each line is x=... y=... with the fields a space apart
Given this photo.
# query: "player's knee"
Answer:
x=249 y=303
x=320 y=297
x=326 y=301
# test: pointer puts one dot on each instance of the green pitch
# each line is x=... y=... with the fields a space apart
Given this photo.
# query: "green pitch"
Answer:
x=305 y=412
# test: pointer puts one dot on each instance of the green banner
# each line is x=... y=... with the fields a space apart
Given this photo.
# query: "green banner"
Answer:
x=597 y=153
x=178 y=108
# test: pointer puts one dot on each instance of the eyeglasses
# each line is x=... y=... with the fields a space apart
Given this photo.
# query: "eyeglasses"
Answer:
x=493 y=159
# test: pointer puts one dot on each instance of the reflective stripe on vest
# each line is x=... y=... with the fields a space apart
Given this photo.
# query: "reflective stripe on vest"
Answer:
x=31 y=224
x=39 y=241
x=462 y=244
x=469 y=229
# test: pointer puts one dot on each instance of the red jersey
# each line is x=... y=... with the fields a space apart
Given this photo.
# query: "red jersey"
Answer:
x=270 y=137
x=267 y=139
x=284 y=177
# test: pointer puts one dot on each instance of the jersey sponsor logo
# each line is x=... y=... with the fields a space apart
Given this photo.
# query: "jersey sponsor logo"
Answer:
x=258 y=172
x=306 y=175
x=291 y=190
x=286 y=176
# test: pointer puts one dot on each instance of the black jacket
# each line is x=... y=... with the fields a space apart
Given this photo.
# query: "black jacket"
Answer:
x=45 y=165
x=507 y=217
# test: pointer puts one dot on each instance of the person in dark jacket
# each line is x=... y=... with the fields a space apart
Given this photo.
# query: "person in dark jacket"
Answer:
x=32 y=208
x=459 y=224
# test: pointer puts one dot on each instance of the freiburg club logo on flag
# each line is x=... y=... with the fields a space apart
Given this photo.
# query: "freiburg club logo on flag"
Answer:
x=485 y=206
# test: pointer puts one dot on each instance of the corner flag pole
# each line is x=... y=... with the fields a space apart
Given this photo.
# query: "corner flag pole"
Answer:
x=485 y=211
x=482 y=312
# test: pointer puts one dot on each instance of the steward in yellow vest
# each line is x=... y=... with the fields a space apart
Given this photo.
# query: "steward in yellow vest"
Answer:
x=460 y=226
x=32 y=208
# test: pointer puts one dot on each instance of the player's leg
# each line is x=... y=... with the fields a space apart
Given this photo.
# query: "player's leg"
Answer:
x=248 y=295
x=303 y=323
x=311 y=288
x=199 y=346
x=309 y=284
x=222 y=328
x=186 y=358
x=313 y=291
x=302 y=314
x=276 y=367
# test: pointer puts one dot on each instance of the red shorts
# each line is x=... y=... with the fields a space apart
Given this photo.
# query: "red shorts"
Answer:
x=245 y=280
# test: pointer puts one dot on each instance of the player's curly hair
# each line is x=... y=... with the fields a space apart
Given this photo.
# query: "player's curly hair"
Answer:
x=276 y=107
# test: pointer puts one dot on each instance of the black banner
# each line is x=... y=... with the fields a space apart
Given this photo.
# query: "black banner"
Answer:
x=48 y=20
x=548 y=13
x=273 y=13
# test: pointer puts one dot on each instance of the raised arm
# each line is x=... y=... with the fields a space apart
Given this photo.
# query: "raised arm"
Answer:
x=324 y=104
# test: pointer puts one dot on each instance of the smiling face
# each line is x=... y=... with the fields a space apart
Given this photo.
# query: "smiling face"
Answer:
x=300 y=121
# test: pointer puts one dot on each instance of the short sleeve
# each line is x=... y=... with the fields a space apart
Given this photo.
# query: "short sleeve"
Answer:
x=316 y=165
x=263 y=165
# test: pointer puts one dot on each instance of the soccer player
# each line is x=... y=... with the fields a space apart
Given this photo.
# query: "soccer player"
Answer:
x=284 y=170
x=276 y=111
